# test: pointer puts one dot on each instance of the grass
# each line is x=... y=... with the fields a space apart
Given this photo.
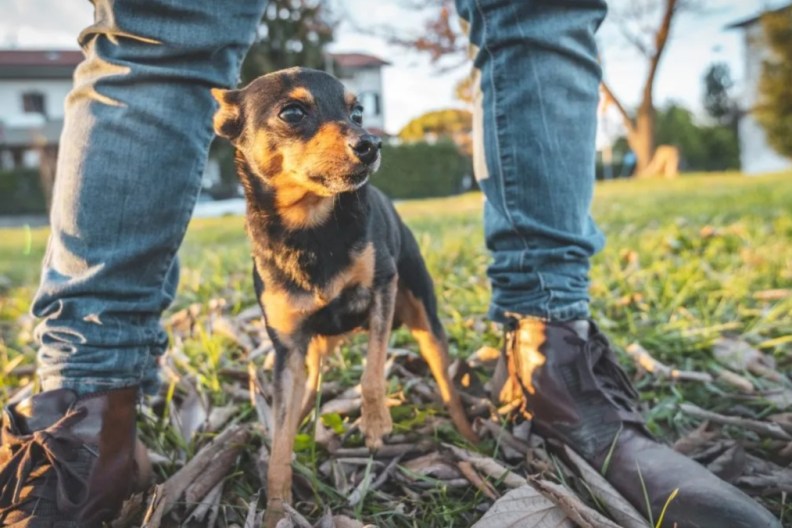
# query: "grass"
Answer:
x=686 y=262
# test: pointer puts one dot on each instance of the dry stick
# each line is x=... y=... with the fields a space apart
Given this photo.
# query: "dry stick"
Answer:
x=740 y=383
x=206 y=504
x=470 y=473
x=642 y=356
x=575 y=509
x=166 y=494
x=213 y=473
x=363 y=488
x=263 y=410
x=386 y=451
x=489 y=466
x=772 y=430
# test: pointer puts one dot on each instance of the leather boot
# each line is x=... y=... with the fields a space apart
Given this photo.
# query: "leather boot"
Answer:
x=572 y=388
x=68 y=461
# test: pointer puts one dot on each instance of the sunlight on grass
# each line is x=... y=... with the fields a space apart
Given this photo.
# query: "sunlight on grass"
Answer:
x=687 y=261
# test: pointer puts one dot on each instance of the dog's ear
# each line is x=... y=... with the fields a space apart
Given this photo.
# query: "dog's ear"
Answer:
x=228 y=119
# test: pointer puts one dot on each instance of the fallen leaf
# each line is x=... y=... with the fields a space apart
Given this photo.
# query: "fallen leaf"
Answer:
x=576 y=509
x=693 y=440
x=524 y=506
x=730 y=464
x=432 y=465
x=740 y=355
x=619 y=508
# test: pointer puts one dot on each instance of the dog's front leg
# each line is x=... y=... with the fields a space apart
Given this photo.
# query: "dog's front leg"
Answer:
x=375 y=416
x=289 y=388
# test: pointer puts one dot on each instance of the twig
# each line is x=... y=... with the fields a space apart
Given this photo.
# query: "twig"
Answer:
x=575 y=509
x=466 y=468
x=167 y=493
x=772 y=430
x=643 y=358
x=489 y=466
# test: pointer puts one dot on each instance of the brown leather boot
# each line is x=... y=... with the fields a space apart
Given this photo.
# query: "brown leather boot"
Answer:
x=573 y=389
x=69 y=462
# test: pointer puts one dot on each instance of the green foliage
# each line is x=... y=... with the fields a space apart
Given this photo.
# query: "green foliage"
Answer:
x=292 y=33
x=443 y=123
x=421 y=170
x=774 y=110
x=20 y=192
x=718 y=101
x=702 y=148
x=687 y=260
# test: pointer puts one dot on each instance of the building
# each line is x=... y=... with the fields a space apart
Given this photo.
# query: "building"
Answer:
x=362 y=74
x=33 y=88
x=756 y=156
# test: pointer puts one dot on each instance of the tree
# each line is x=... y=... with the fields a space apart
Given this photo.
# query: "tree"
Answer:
x=718 y=100
x=634 y=22
x=774 y=108
x=442 y=38
x=452 y=123
x=292 y=33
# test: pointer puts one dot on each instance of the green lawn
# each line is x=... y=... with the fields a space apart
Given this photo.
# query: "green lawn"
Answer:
x=687 y=262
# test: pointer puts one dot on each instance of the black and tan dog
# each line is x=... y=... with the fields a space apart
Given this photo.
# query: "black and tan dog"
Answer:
x=330 y=253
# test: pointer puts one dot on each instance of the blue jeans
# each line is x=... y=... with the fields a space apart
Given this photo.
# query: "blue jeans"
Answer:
x=134 y=144
x=536 y=90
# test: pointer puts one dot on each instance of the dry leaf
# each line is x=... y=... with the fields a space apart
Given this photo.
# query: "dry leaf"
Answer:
x=740 y=355
x=576 y=509
x=432 y=465
x=524 y=506
x=618 y=507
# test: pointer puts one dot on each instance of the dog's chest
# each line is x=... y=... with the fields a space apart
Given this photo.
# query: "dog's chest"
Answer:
x=347 y=312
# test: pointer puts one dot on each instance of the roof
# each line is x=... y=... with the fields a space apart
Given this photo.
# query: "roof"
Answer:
x=753 y=20
x=38 y=64
x=357 y=60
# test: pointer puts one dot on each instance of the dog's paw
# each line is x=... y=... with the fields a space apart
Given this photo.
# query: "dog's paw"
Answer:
x=375 y=423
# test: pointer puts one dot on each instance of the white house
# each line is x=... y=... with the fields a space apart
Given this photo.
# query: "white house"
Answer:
x=33 y=88
x=34 y=85
x=362 y=74
x=756 y=156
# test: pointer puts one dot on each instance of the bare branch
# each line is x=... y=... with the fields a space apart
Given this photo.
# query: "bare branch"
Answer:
x=628 y=121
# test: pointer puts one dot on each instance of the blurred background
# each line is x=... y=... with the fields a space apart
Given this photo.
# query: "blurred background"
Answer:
x=689 y=86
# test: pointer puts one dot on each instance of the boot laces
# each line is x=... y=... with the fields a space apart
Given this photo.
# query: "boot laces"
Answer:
x=26 y=477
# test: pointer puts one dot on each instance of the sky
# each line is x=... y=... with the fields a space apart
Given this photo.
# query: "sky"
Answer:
x=413 y=86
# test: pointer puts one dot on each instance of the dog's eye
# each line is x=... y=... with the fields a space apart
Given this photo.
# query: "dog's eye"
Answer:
x=357 y=115
x=292 y=114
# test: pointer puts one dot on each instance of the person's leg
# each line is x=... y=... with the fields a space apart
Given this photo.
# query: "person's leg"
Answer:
x=137 y=128
x=536 y=90
x=535 y=121
x=134 y=143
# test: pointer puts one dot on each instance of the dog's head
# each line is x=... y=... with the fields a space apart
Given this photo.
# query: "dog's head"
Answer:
x=299 y=127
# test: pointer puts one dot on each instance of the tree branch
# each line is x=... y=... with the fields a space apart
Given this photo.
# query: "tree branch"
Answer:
x=628 y=121
x=661 y=38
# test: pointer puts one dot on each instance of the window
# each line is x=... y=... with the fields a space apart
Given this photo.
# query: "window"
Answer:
x=33 y=103
x=371 y=103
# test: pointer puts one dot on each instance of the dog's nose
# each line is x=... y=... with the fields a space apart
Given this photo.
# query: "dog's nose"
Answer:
x=366 y=148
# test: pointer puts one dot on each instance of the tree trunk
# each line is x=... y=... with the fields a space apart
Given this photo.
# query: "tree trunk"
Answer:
x=641 y=139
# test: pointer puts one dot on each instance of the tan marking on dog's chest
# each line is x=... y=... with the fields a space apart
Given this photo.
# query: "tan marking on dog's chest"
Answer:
x=285 y=310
